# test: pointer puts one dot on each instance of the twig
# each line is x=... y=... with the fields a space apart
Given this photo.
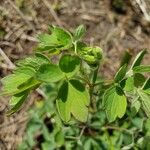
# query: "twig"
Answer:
x=142 y=6
x=29 y=38
x=21 y=14
x=52 y=12
x=11 y=65
x=77 y=137
x=117 y=128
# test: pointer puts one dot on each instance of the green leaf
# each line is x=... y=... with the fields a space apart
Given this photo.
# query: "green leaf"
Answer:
x=121 y=73
x=147 y=91
x=126 y=57
x=69 y=64
x=12 y=82
x=137 y=61
x=135 y=105
x=25 y=70
x=129 y=84
x=33 y=62
x=59 y=138
x=79 y=32
x=139 y=80
x=141 y=69
x=146 y=85
x=16 y=102
x=59 y=39
x=73 y=99
x=114 y=103
x=49 y=73
x=145 y=101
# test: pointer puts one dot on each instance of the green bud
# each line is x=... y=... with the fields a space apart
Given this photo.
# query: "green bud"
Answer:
x=92 y=55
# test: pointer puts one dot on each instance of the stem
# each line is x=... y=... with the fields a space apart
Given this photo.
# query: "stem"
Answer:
x=92 y=87
x=93 y=81
x=75 y=47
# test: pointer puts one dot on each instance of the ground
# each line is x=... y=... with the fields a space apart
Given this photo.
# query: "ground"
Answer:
x=113 y=29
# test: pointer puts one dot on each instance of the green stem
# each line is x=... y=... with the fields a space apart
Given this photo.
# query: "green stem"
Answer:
x=75 y=47
x=92 y=87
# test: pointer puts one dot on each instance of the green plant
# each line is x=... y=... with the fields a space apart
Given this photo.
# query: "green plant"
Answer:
x=81 y=94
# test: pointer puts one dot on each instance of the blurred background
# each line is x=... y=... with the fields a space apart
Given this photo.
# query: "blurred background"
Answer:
x=114 y=25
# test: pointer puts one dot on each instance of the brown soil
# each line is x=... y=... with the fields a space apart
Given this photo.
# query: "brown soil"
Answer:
x=112 y=29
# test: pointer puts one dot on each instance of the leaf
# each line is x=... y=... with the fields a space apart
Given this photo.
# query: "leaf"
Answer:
x=146 y=85
x=25 y=70
x=69 y=64
x=59 y=39
x=79 y=32
x=138 y=59
x=16 y=102
x=114 y=103
x=129 y=84
x=139 y=79
x=33 y=62
x=145 y=101
x=141 y=69
x=11 y=83
x=121 y=73
x=135 y=105
x=73 y=99
x=59 y=138
x=126 y=57
x=49 y=73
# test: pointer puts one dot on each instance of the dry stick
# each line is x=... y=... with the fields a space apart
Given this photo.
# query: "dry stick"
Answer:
x=21 y=14
x=142 y=6
x=11 y=65
x=52 y=12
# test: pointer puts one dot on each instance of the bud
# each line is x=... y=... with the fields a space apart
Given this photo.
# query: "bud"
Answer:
x=92 y=55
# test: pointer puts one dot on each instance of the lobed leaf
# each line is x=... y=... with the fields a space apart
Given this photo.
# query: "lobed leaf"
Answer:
x=73 y=99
